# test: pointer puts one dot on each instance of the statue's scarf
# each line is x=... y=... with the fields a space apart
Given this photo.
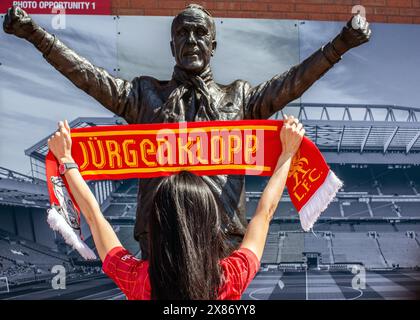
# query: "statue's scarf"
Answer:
x=175 y=108
x=248 y=147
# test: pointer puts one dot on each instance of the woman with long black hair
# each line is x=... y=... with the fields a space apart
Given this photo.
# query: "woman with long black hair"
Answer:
x=189 y=255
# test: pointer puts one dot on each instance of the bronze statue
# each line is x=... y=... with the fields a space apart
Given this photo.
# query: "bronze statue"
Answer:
x=191 y=94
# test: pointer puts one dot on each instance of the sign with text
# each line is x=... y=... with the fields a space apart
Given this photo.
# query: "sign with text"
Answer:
x=101 y=7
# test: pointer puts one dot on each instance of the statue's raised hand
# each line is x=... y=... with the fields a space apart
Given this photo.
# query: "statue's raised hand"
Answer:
x=355 y=33
x=19 y=23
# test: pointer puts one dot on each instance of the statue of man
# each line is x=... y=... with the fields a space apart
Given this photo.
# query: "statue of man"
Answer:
x=191 y=94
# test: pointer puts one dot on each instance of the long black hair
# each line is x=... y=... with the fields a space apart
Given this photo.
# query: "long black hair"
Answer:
x=186 y=240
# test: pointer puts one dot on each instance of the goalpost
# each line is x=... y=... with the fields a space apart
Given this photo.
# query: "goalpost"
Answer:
x=4 y=285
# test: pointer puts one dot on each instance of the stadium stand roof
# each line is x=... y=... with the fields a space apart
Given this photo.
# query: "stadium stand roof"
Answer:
x=382 y=133
x=17 y=189
x=38 y=151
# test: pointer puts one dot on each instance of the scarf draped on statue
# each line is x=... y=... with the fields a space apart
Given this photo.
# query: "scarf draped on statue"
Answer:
x=249 y=147
x=194 y=87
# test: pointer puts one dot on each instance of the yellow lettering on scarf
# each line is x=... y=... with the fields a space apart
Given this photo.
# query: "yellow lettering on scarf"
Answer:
x=234 y=147
x=297 y=170
x=310 y=175
x=305 y=185
x=114 y=150
x=169 y=158
x=196 y=147
x=184 y=151
x=216 y=152
x=250 y=147
x=147 y=148
x=302 y=176
x=97 y=163
x=130 y=156
x=200 y=151
x=85 y=156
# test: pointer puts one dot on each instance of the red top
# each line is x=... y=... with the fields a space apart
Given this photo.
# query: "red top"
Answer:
x=132 y=275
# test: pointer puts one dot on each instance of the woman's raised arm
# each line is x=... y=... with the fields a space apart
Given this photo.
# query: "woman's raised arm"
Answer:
x=102 y=232
x=291 y=136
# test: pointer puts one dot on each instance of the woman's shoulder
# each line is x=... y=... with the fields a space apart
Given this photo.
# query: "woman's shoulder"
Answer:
x=120 y=259
x=244 y=256
x=238 y=270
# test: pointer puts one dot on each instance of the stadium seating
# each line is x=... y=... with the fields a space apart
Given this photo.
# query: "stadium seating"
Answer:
x=408 y=226
x=409 y=209
x=355 y=209
x=374 y=178
x=286 y=242
x=251 y=206
x=131 y=212
x=125 y=185
x=285 y=209
x=388 y=249
x=292 y=244
x=133 y=190
x=356 y=179
x=378 y=227
x=400 y=250
x=318 y=243
x=351 y=241
x=413 y=175
x=383 y=209
x=17 y=273
x=126 y=236
x=333 y=210
x=341 y=227
x=22 y=253
x=286 y=226
x=275 y=227
x=122 y=203
x=322 y=225
x=255 y=183
x=357 y=247
x=22 y=260
x=271 y=248
x=123 y=199
x=392 y=181
x=115 y=210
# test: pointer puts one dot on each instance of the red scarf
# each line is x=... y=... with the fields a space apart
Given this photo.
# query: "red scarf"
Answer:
x=249 y=147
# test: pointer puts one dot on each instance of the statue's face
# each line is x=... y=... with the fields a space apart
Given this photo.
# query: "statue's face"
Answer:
x=192 y=41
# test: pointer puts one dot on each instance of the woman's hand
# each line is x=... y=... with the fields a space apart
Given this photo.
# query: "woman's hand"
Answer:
x=291 y=136
x=60 y=143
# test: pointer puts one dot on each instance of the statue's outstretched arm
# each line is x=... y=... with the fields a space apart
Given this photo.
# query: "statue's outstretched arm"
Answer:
x=117 y=95
x=264 y=100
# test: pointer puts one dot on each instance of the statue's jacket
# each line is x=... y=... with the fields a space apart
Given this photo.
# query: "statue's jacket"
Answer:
x=140 y=100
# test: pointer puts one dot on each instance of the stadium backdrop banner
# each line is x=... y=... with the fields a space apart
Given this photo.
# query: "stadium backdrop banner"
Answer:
x=34 y=96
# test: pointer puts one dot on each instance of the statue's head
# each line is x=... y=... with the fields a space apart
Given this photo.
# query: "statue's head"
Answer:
x=193 y=38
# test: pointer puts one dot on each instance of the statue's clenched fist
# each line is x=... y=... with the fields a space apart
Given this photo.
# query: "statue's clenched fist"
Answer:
x=355 y=33
x=19 y=23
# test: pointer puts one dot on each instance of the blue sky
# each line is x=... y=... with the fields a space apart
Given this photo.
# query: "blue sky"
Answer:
x=34 y=96
x=386 y=70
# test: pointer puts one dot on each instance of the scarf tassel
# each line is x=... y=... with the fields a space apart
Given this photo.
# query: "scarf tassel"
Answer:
x=58 y=223
x=319 y=201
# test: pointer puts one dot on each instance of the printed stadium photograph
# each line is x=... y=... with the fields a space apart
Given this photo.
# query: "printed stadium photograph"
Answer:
x=93 y=208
